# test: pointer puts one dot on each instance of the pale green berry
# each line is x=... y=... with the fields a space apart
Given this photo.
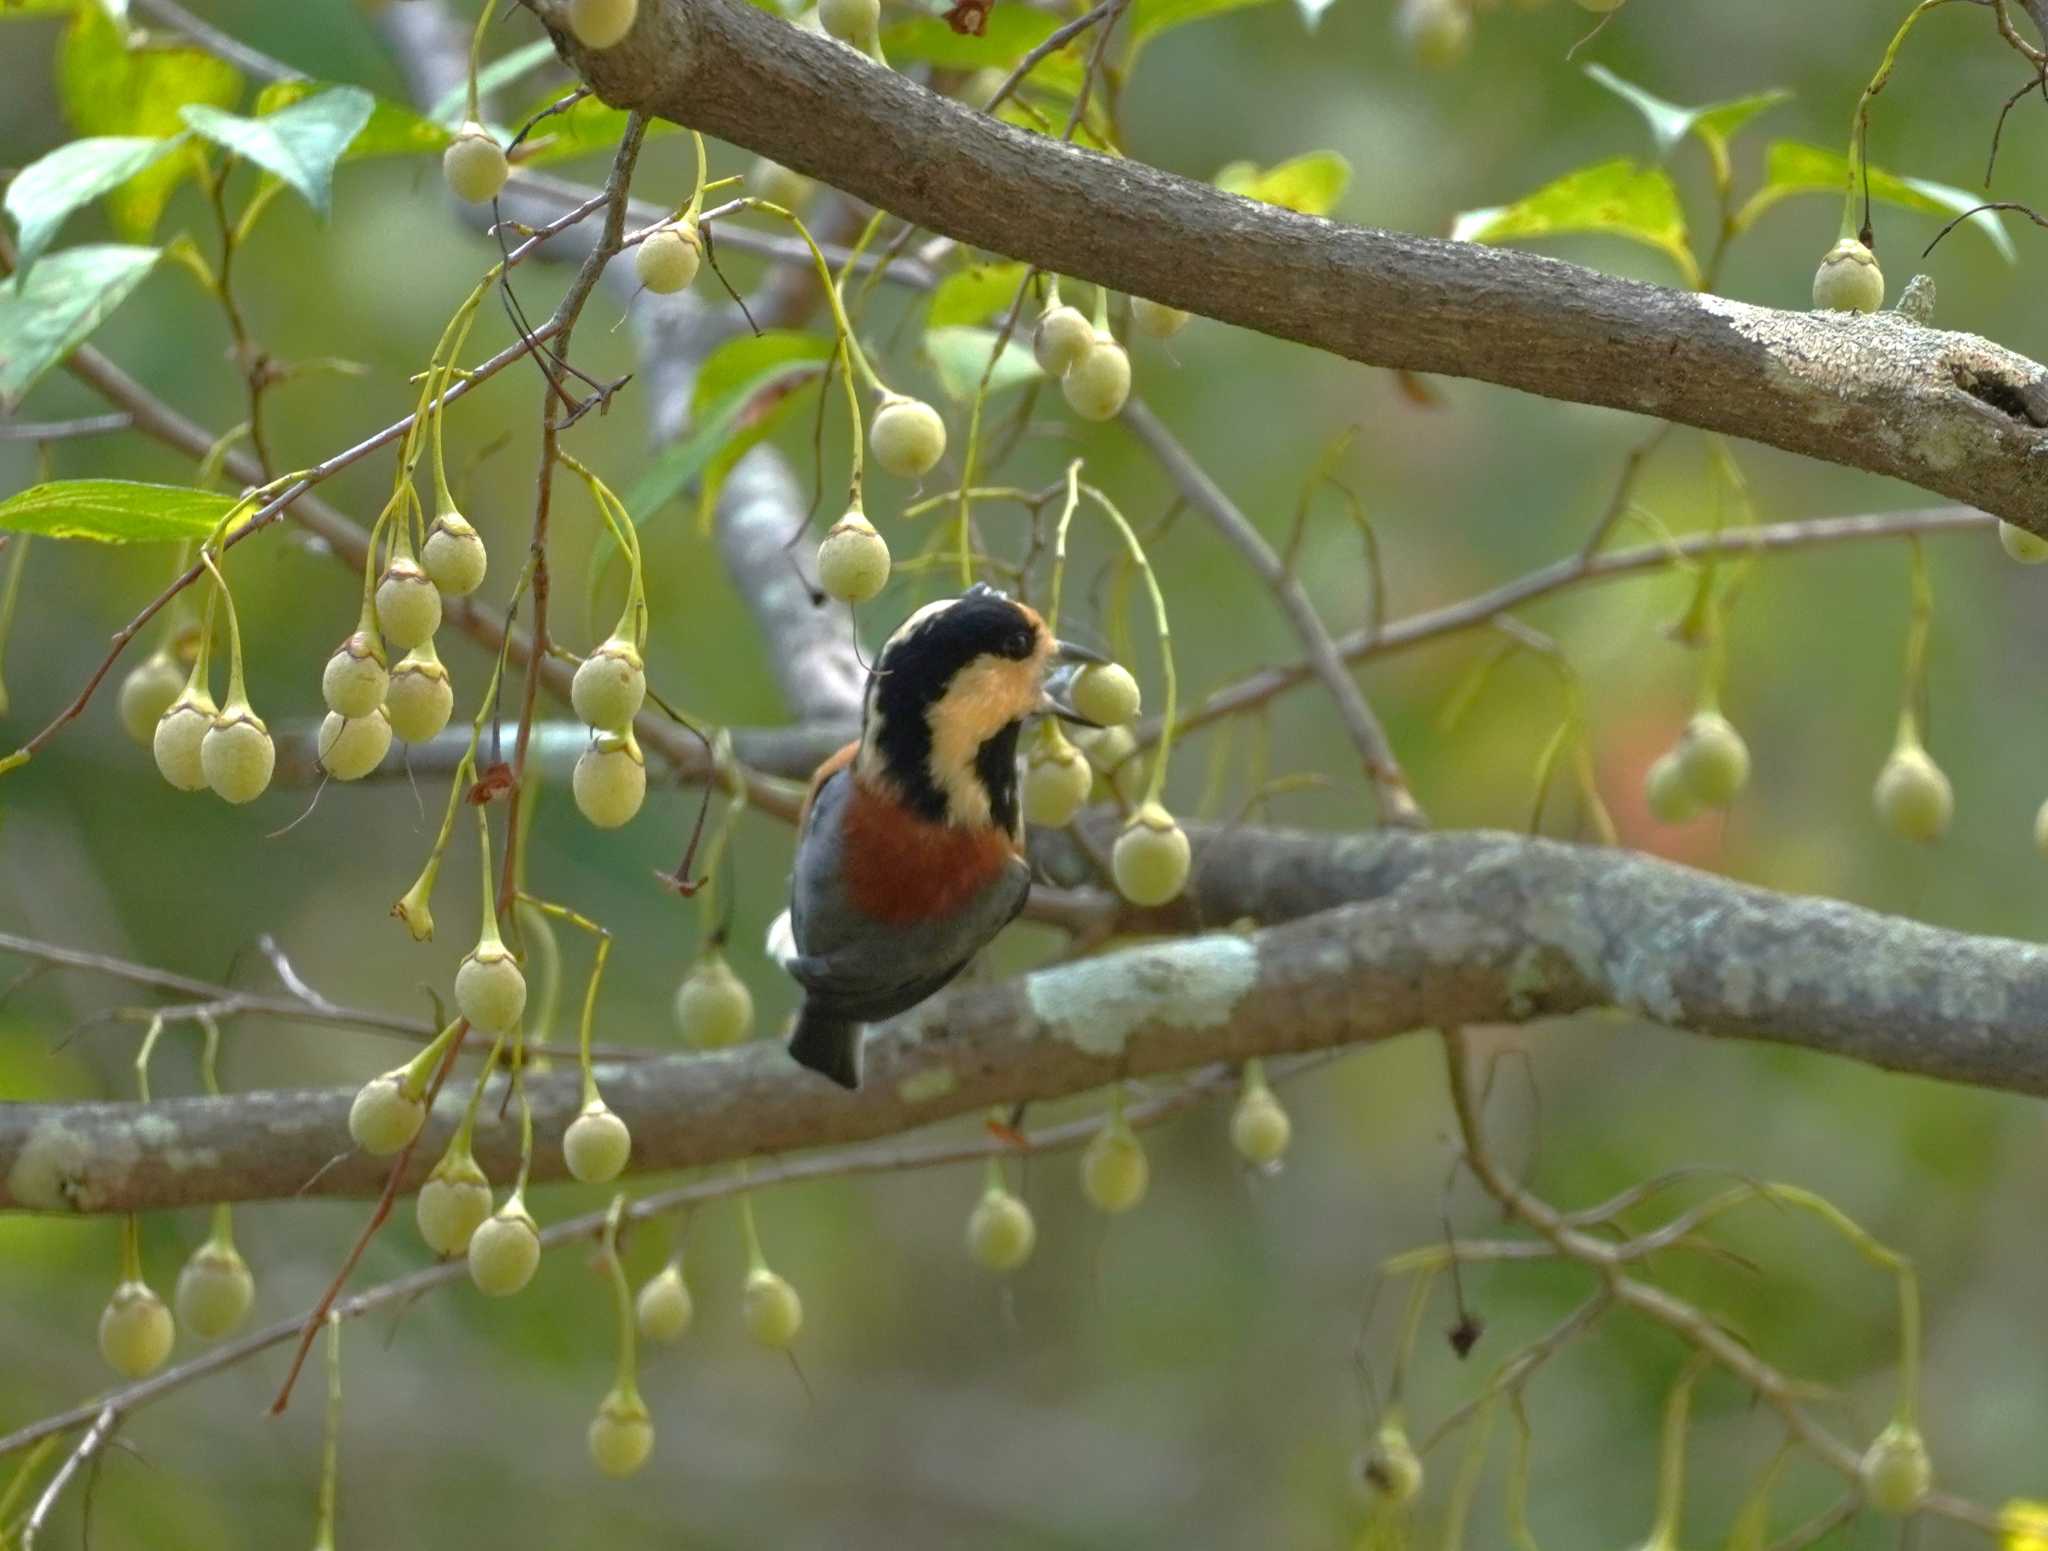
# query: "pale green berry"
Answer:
x=474 y=165
x=853 y=561
x=150 y=689
x=850 y=21
x=1896 y=1471
x=1669 y=795
x=355 y=678
x=597 y=1144
x=2027 y=548
x=180 y=732
x=777 y=184
x=610 y=781
x=420 y=698
x=454 y=556
x=215 y=1290
x=621 y=1434
x=1097 y=385
x=1114 y=1172
x=1156 y=319
x=386 y=1115
x=714 y=1008
x=1714 y=759
x=136 y=1330
x=237 y=754
x=1000 y=1230
x=1848 y=279
x=601 y=23
x=1389 y=1469
x=1062 y=337
x=1105 y=693
x=452 y=1204
x=610 y=685
x=1056 y=781
x=351 y=747
x=504 y=1251
x=770 y=1309
x=1438 y=31
x=907 y=437
x=1110 y=751
x=667 y=258
x=1913 y=797
x=663 y=1310
x=490 y=991
x=1150 y=860
x=408 y=605
x=1259 y=1127
x=2041 y=830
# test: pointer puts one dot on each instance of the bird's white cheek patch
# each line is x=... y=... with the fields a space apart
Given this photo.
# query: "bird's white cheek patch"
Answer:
x=1096 y=1005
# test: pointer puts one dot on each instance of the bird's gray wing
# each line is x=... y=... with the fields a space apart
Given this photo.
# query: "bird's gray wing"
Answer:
x=866 y=970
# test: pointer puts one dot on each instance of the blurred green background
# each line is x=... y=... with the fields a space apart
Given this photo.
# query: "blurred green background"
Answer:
x=1183 y=1376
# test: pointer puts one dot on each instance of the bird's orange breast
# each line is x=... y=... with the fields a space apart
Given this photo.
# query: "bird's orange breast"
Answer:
x=901 y=868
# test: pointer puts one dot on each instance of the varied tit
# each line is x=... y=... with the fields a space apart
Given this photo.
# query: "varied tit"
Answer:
x=910 y=844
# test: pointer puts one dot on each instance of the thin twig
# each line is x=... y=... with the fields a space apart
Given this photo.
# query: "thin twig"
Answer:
x=96 y=1436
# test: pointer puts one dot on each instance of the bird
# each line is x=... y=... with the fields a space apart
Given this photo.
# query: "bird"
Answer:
x=910 y=840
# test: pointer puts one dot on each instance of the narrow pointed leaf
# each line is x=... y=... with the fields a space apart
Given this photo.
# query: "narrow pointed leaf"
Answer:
x=44 y=194
x=47 y=313
x=298 y=144
x=114 y=511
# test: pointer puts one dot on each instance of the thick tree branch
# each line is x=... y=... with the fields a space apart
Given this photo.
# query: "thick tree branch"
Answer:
x=1946 y=411
x=1442 y=929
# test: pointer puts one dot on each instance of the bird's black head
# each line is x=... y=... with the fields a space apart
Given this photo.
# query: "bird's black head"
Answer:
x=947 y=697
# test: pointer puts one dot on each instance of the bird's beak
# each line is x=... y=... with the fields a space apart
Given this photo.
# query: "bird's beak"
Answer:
x=1053 y=701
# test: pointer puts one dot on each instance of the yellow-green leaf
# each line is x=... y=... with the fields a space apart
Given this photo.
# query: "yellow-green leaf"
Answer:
x=393 y=129
x=1150 y=18
x=1311 y=184
x=974 y=294
x=112 y=87
x=1791 y=168
x=1617 y=198
x=114 y=511
x=1012 y=32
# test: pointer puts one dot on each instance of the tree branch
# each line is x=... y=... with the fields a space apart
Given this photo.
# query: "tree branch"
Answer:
x=1946 y=411
x=1442 y=929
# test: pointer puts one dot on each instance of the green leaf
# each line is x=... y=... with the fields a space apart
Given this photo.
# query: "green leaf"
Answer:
x=1715 y=124
x=45 y=193
x=1311 y=184
x=1149 y=18
x=588 y=127
x=10 y=10
x=393 y=129
x=299 y=144
x=115 y=511
x=495 y=76
x=974 y=294
x=1794 y=168
x=733 y=377
x=741 y=395
x=109 y=87
x=960 y=356
x=1617 y=198
x=45 y=314
x=1013 y=31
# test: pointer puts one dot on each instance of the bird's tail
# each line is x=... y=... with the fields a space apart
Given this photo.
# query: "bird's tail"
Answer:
x=827 y=1045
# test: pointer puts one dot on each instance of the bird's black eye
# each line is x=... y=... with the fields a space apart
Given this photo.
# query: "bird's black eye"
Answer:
x=1020 y=645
